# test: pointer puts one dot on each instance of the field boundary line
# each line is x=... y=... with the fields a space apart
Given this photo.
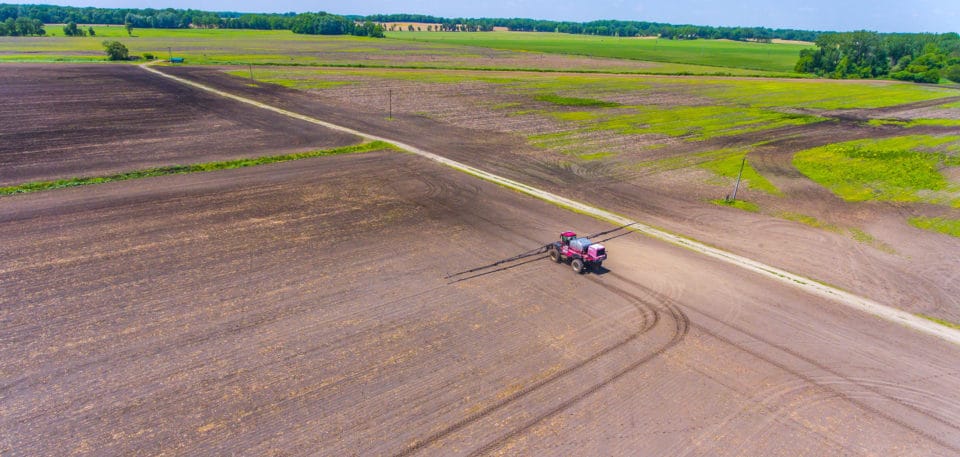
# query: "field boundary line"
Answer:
x=808 y=285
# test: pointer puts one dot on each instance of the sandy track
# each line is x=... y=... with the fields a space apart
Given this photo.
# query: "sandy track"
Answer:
x=301 y=309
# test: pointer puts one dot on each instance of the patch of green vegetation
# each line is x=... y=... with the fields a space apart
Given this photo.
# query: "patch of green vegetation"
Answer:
x=883 y=122
x=575 y=116
x=940 y=321
x=935 y=122
x=866 y=238
x=729 y=167
x=683 y=161
x=569 y=143
x=506 y=105
x=741 y=204
x=556 y=140
x=574 y=101
x=195 y=168
x=916 y=122
x=773 y=57
x=693 y=123
x=589 y=156
x=937 y=224
x=808 y=220
x=813 y=94
x=862 y=236
x=290 y=80
x=903 y=168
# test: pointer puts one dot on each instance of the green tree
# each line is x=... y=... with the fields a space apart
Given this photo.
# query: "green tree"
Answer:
x=116 y=50
x=129 y=27
x=91 y=32
x=953 y=73
x=71 y=29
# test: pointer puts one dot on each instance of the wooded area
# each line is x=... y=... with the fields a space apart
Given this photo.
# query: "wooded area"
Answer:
x=918 y=57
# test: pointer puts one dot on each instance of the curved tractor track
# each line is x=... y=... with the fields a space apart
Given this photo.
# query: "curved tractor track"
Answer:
x=663 y=326
x=853 y=301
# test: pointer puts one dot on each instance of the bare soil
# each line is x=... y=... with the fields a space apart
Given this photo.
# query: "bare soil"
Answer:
x=67 y=121
x=308 y=308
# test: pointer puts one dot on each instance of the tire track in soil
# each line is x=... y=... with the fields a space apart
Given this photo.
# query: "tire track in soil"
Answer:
x=681 y=326
x=652 y=316
x=832 y=386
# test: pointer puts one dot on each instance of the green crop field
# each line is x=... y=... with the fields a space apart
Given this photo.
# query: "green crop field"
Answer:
x=771 y=57
x=282 y=47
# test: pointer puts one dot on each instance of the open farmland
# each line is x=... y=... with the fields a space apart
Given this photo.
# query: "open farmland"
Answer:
x=307 y=308
x=772 y=57
x=665 y=147
x=282 y=47
x=377 y=303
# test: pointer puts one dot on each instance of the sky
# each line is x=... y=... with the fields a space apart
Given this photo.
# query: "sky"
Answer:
x=936 y=16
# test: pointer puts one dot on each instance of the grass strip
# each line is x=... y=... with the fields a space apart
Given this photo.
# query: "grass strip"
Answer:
x=574 y=101
x=739 y=204
x=38 y=186
x=808 y=220
x=940 y=321
x=937 y=224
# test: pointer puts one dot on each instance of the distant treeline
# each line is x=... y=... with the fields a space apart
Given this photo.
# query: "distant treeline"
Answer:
x=604 y=28
x=315 y=23
x=172 y=19
x=919 y=57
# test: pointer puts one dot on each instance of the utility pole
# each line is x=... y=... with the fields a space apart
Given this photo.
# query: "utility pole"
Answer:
x=739 y=175
x=252 y=81
x=390 y=103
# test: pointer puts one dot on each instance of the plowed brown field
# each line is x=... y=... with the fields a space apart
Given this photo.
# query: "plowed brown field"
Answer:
x=67 y=121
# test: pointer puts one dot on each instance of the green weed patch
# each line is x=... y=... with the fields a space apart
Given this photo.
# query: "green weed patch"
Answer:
x=937 y=224
x=739 y=204
x=809 y=220
x=916 y=122
x=574 y=101
x=195 y=168
x=729 y=167
x=693 y=123
x=895 y=169
x=814 y=94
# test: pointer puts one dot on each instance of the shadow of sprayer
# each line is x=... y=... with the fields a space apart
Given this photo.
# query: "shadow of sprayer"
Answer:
x=532 y=255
